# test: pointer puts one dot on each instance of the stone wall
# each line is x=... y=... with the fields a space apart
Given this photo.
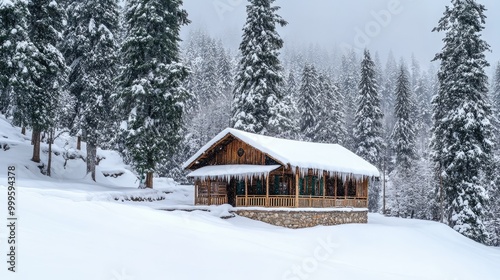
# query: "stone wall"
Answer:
x=302 y=219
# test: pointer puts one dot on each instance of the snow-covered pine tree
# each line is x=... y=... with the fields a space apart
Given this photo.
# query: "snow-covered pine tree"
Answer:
x=331 y=126
x=17 y=61
x=211 y=83
x=415 y=72
x=209 y=110
x=462 y=140
x=379 y=72
x=423 y=97
x=496 y=97
x=259 y=75
x=281 y=122
x=348 y=84
x=308 y=104
x=91 y=49
x=494 y=216
x=368 y=126
x=403 y=134
x=49 y=72
x=8 y=22
x=403 y=179
x=152 y=96
x=387 y=98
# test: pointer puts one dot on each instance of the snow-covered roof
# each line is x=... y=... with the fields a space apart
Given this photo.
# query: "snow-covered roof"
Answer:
x=304 y=155
x=240 y=170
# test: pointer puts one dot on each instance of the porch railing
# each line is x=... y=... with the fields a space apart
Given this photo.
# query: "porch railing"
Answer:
x=211 y=200
x=304 y=201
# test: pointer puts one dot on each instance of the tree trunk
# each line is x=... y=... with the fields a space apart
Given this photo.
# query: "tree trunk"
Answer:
x=91 y=159
x=36 y=146
x=79 y=143
x=33 y=137
x=149 y=180
x=49 y=164
x=23 y=130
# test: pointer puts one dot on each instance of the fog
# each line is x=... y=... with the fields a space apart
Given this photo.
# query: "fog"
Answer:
x=403 y=26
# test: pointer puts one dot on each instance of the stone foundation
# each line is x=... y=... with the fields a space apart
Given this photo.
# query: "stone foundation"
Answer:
x=303 y=219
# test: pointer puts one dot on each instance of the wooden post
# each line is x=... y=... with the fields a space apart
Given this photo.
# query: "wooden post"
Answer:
x=246 y=190
x=324 y=189
x=346 y=183
x=209 y=191
x=297 y=187
x=335 y=191
x=196 y=192
x=267 y=190
x=345 y=189
x=367 y=193
x=367 y=184
x=324 y=185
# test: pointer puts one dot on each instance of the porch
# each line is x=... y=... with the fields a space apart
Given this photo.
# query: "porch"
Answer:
x=280 y=190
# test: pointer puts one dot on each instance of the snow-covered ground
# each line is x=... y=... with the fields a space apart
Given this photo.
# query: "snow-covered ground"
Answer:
x=72 y=228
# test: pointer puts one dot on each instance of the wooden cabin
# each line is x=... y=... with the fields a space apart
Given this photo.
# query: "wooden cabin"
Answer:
x=245 y=169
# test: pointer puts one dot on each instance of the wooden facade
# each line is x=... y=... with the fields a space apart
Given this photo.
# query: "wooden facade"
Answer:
x=282 y=187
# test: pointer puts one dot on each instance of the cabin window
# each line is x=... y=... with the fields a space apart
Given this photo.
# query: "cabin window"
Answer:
x=270 y=161
x=351 y=188
x=256 y=187
x=240 y=188
x=340 y=187
x=241 y=152
x=216 y=188
x=330 y=186
x=278 y=186
x=310 y=185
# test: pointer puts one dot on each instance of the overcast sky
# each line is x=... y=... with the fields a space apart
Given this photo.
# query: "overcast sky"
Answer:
x=403 y=26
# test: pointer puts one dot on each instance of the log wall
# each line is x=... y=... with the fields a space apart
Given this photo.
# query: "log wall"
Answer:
x=229 y=154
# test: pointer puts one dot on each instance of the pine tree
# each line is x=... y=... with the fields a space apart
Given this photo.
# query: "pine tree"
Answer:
x=281 y=123
x=91 y=49
x=462 y=133
x=211 y=83
x=406 y=188
x=367 y=124
x=348 y=83
x=259 y=76
x=152 y=94
x=403 y=134
x=308 y=104
x=8 y=22
x=496 y=96
x=415 y=72
x=423 y=97
x=387 y=98
x=331 y=126
x=49 y=69
x=368 y=127
x=17 y=61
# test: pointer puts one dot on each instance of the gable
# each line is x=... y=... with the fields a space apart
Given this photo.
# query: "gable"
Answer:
x=229 y=151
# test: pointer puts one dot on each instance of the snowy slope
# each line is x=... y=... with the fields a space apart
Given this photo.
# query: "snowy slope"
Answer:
x=72 y=228
x=63 y=239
